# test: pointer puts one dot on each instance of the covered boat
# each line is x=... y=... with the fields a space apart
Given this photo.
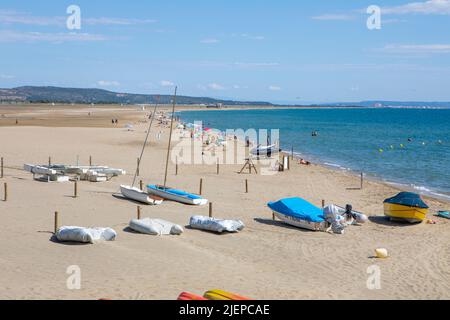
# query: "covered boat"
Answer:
x=299 y=213
x=176 y=195
x=406 y=206
x=264 y=150
x=138 y=195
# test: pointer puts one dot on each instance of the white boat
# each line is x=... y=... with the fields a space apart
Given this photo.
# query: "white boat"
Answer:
x=176 y=195
x=264 y=150
x=138 y=195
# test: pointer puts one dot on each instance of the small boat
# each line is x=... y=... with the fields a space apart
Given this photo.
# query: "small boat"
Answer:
x=187 y=296
x=264 y=150
x=299 y=213
x=406 y=206
x=176 y=195
x=138 y=195
x=223 y=295
x=444 y=214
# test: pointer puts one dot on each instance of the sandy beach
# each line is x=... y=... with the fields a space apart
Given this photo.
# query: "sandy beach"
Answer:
x=267 y=260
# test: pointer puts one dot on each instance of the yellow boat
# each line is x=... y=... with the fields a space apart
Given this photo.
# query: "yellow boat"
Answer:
x=222 y=295
x=406 y=206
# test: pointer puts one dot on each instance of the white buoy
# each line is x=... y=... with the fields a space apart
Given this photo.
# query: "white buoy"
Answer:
x=381 y=253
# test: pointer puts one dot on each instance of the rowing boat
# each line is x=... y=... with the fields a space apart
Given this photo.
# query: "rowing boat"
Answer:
x=176 y=195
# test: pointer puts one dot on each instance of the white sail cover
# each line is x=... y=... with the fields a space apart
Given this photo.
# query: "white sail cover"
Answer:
x=215 y=225
x=155 y=227
x=85 y=235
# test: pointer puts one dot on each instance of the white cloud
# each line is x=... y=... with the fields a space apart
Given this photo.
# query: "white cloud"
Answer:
x=107 y=83
x=441 y=7
x=417 y=48
x=18 y=36
x=333 y=17
x=274 y=88
x=210 y=41
x=216 y=86
x=15 y=17
x=166 y=83
x=6 y=76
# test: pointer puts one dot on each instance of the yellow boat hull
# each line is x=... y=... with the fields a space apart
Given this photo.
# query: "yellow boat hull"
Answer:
x=400 y=212
x=222 y=295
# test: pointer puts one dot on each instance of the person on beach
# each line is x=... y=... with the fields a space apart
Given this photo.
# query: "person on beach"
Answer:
x=304 y=162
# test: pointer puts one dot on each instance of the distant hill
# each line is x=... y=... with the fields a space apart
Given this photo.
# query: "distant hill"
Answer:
x=30 y=94
x=98 y=96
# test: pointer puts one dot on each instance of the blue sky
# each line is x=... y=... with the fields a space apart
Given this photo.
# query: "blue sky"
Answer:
x=281 y=51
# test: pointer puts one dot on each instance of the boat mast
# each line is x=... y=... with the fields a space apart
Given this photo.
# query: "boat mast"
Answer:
x=170 y=135
x=145 y=141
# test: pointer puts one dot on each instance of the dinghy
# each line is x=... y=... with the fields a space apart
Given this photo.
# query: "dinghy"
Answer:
x=444 y=214
x=187 y=296
x=176 y=195
x=406 y=206
x=299 y=213
x=138 y=195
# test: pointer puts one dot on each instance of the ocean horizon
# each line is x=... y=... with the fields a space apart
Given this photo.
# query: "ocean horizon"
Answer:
x=406 y=147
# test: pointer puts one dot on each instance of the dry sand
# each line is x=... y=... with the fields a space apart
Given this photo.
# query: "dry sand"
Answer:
x=267 y=260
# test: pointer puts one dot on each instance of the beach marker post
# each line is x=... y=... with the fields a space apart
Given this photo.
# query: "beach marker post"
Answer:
x=218 y=166
x=273 y=216
x=210 y=210
x=49 y=161
x=246 y=185
x=56 y=222
x=176 y=166
x=1 y=167
x=292 y=152
x=90 y=161
x=201 y=186
x=323 y=203
x=137 y=169
x=5 y=192
x=139 y=212
x=362 y=180
x=75 y=189
x=141 y=185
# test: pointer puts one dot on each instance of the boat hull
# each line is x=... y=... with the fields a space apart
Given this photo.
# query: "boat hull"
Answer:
x=405 y=213
x=139 y=195
x=300 y=223
x=222 y=295
x=174 y=197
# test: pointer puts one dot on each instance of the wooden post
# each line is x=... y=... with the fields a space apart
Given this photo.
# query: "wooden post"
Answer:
x=210 y=210
x=201 y=187
x=218 y=169
x=139 y=212
x=323 y=204
x=292 y=153
x=56 y=222
x=1 y=168
x=176 y=166
x=90 y=161
x=138 y=164
x=273 y=216
x=49 y=161
x=141 y=185
x=246 y=185
x=362 y=180
x=75 y=189
x=5 y=190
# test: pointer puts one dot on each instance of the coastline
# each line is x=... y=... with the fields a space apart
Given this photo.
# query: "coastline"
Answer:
x=145 y=267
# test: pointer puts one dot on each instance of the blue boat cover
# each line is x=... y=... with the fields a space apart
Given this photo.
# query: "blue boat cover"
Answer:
x=298 y=208
x=407 y=199
x=175 y=192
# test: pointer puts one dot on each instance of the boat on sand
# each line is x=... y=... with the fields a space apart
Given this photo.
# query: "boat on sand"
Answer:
x=138 y=195
x=176 y=195
x=406 y=206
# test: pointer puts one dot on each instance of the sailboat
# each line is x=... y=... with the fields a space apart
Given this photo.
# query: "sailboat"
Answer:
x=166 y=192
x=136 y=194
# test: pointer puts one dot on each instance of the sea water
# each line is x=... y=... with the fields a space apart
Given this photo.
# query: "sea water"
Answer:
x=410 y=147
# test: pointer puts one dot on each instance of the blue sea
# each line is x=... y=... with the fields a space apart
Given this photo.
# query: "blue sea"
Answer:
x=408 y=147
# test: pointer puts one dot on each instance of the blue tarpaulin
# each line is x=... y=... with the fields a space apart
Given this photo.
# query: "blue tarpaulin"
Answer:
x=407 y=199
x=299 y=208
